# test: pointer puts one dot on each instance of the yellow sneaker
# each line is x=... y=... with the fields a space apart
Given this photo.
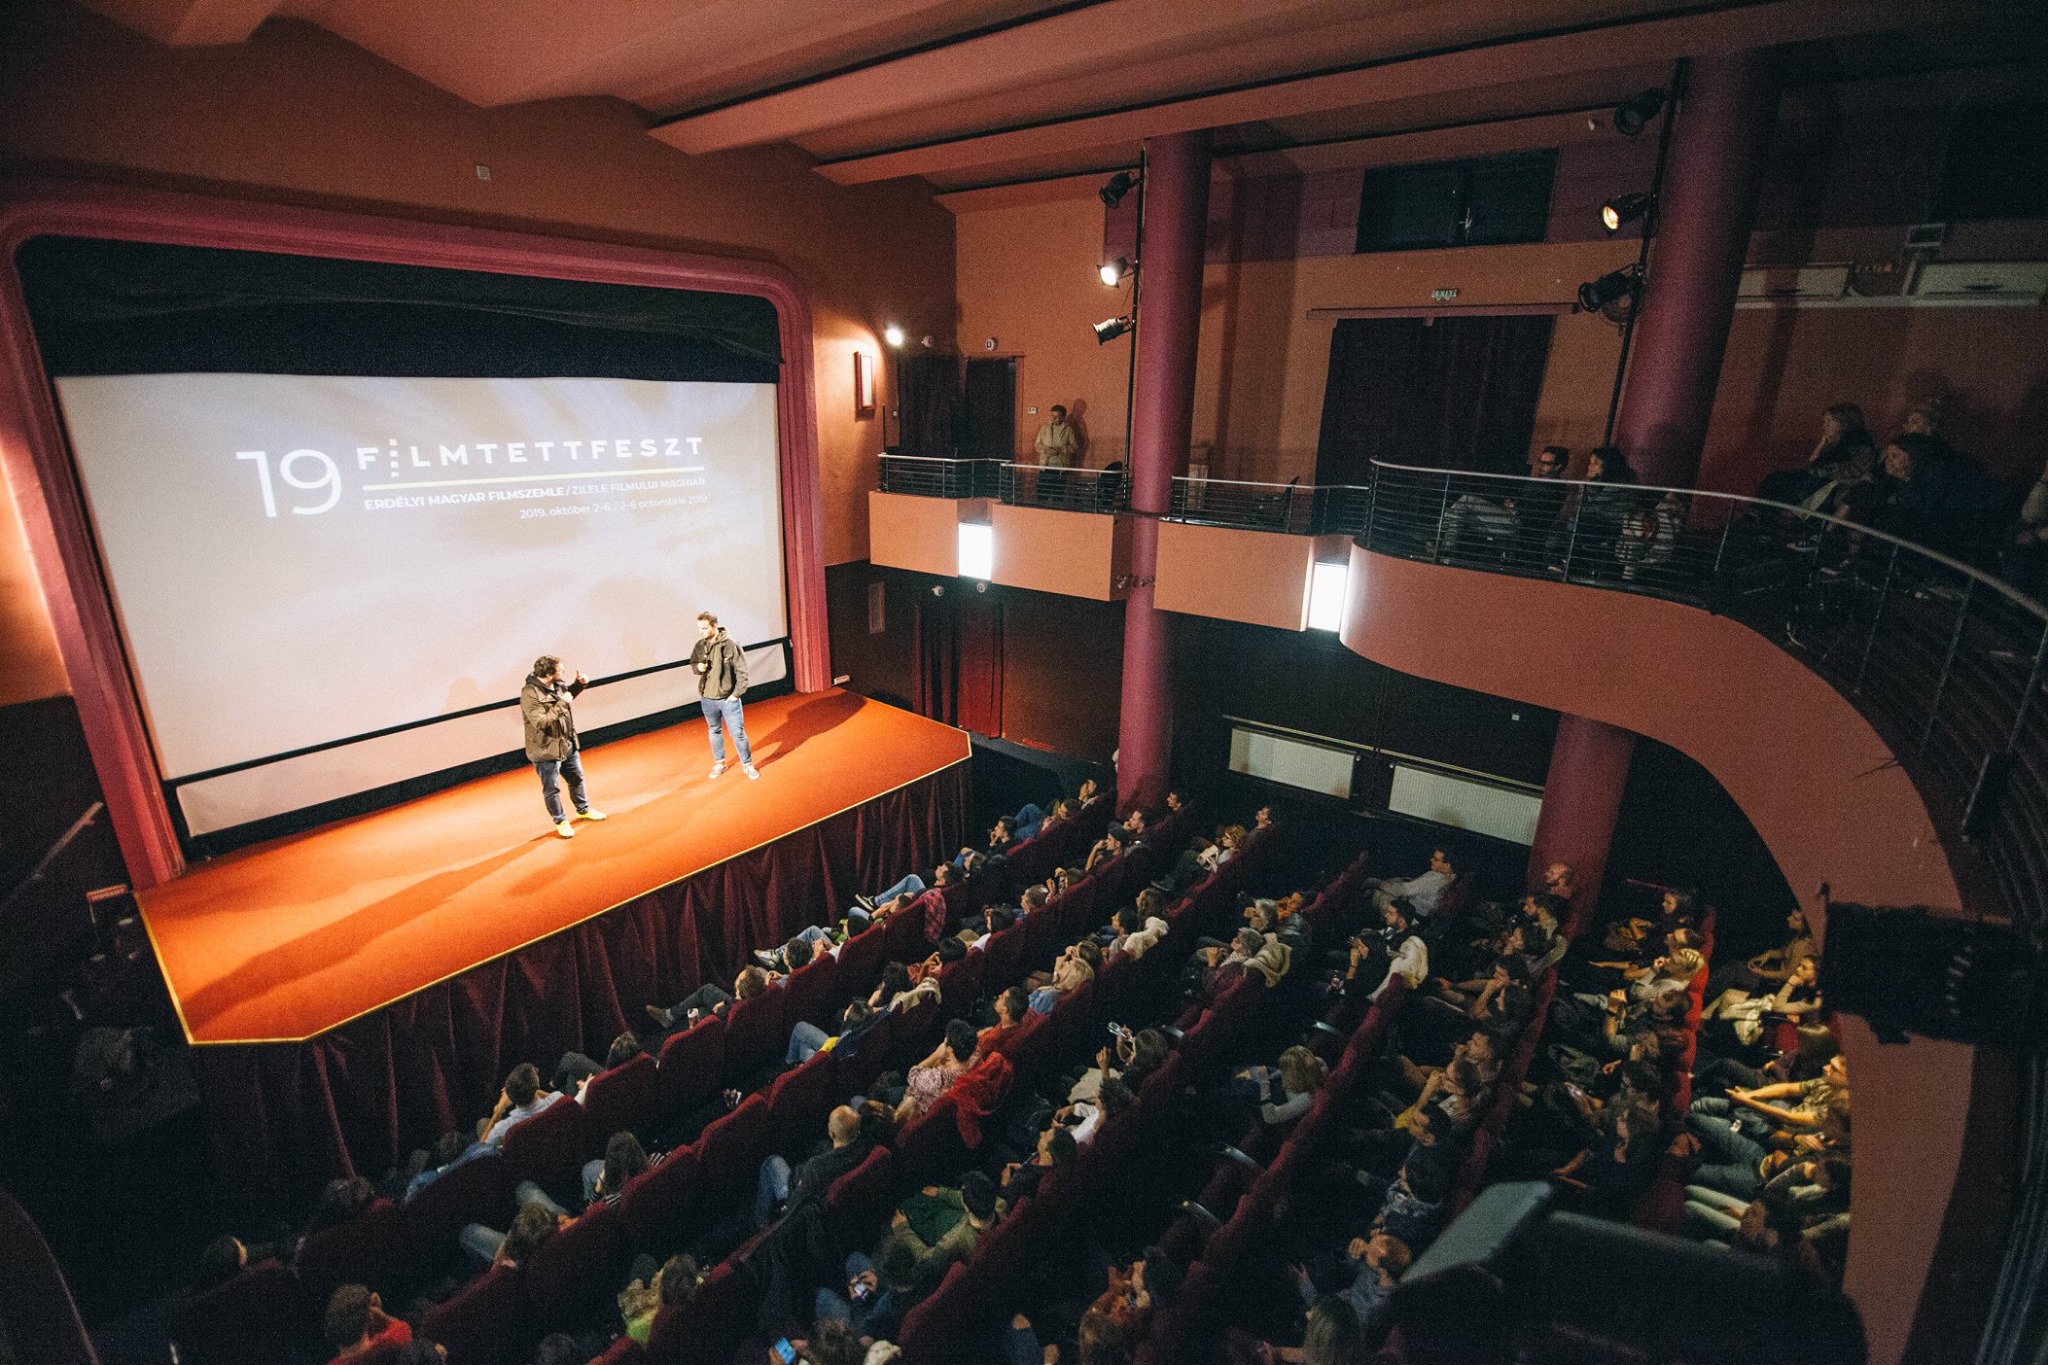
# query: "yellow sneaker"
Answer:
x=565 y=829
x=592 y=814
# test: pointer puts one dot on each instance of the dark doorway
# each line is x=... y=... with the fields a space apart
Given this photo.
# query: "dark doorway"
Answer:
x=991 y=410
x=1449 y=393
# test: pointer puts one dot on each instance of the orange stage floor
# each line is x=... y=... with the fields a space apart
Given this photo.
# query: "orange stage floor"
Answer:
x=289 y=939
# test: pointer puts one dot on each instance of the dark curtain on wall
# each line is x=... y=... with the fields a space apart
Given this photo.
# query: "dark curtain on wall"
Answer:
x=960 y=661
x=931 y=404
x=290 y=1116
x=1450 y=393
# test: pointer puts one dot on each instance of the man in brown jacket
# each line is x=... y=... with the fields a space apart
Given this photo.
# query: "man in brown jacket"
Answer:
x=551 y=740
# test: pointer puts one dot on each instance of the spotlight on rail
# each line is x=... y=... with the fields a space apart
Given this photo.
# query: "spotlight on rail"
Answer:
x=1109 y=329
x=1632 y=116
x=1624 y=209
x=1597 y=295
x=1119 y=185
x=1117 y=271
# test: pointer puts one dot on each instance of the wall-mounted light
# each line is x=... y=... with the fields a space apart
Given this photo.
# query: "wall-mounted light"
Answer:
x=1624 y=209
x=1327 y=585
x=893 y=334
x=1109 y=329
x=1117 y=271
x=977 y=550
x=1634 y=115
x=1595 y=295
x=1119 y=185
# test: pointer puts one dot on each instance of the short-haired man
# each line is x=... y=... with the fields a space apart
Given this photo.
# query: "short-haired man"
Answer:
x=721 y=668
x=519 y=1101
x=356 y=1324
x=1057 y=443
x=551 y=740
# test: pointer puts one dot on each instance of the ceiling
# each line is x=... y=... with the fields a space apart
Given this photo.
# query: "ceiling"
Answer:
x=971 y=93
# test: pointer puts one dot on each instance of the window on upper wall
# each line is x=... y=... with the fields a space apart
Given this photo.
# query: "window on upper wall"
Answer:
x=1994 y=166
x=1492 y=201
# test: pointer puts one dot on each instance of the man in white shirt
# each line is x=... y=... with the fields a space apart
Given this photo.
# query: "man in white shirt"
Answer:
x=1057 y=443
x=1424 y=893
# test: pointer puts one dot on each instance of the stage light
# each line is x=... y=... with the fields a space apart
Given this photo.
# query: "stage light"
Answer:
x=1117 y=271
x=1595 y=295
x=977 y=550
x=1633 y=116
x=1109 y=329
x=1327 y=585
x=893 y=334
x=1119 y=185
x=1624 y=209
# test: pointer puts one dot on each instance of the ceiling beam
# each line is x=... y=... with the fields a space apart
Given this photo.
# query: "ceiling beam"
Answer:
x=1625 y=43
x=189 y=23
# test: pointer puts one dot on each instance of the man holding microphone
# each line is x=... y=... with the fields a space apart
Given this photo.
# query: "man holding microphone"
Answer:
x=551 y=740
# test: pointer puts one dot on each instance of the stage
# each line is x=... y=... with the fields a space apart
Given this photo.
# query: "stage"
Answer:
x=288 y=940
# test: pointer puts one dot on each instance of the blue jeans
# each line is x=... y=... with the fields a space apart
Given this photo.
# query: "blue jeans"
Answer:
x=1732 y=1158
x=832 y=1305
x=550 y=786
x=806 y=1041
x=1026 y=822
x=720 y=716
x=483 y=1243
x=771 y=1189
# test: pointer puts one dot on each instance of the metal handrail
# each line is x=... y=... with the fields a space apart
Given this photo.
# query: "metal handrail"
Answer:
x=1947 y=661
x=1063 y=488
x=1289 y=508
x=936 y=476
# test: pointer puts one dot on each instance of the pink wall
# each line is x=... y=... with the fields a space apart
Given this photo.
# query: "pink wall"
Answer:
x=1821 y=788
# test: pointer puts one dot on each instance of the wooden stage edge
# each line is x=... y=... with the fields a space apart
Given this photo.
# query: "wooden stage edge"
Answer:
x=288 y=940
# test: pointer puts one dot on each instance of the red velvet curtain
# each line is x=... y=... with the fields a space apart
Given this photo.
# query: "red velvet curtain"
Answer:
x=289 y=1116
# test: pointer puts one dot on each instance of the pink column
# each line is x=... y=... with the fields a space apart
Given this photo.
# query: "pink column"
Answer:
x=1722 y=129
x=1581 y=798
x=1176 y=209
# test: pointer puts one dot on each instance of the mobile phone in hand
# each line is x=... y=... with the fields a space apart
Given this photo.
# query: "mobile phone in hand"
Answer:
x=785 y=1352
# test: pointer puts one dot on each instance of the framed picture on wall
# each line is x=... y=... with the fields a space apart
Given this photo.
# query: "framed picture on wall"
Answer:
x=863 y=384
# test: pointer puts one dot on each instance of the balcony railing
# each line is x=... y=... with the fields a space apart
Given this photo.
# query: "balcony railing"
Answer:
x=1945 y=660
x=1284 y=507
x=1066 y=490
x=923 y=476
x=1020 y=485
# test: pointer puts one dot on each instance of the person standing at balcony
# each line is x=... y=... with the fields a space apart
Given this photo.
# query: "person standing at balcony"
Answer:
x=721 y=669
x=1058 y=446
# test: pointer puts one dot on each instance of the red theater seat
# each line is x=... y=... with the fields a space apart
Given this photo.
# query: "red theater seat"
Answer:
x=903 y=938
x=257 y=1318
x=754 y=1036
x=487 y=1323
x=859 y=1200
x=729 y=1153
x=860 y=962
x=369 y=1249
x=478 y=1191
x=960 y=984
x=810 y=995
x=577 y=1268
x=706 y=1330
x=548 y=1150
x=798 y=1103
x=692 y=1068
x=657 y=1205
x=625 y=1099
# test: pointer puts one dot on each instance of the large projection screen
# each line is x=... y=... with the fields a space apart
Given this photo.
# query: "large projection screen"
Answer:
x=306 y=567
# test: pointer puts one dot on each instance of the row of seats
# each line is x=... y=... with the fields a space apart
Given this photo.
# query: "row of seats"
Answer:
x=262 y=1315
x=930 y=1150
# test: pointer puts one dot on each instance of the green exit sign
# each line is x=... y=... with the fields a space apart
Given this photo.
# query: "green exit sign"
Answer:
x=1442 y=295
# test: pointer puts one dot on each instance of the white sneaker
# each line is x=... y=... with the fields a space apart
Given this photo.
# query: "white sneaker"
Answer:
x=592 y=814
x=717 y=768
x=750 y=771
x=565 y=829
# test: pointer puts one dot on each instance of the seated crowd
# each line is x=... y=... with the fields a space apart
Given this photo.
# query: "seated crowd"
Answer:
x=1357 y=1033
x=1916 y=485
